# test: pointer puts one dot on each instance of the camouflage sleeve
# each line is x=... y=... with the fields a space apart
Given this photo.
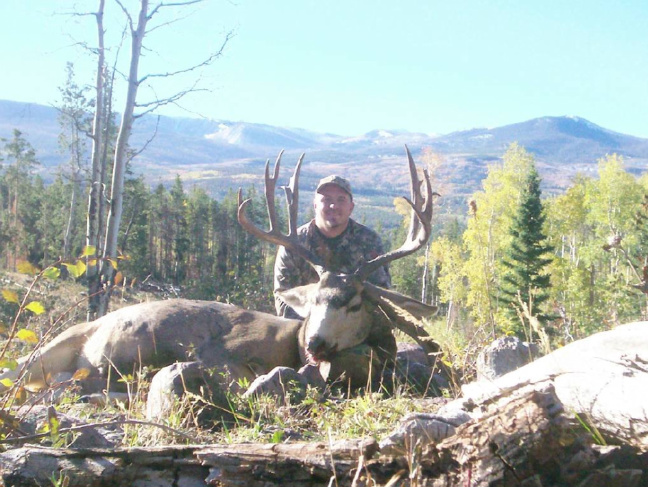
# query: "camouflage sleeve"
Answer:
x=381 y=277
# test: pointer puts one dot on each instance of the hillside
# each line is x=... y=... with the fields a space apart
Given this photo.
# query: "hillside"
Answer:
x=220 y=155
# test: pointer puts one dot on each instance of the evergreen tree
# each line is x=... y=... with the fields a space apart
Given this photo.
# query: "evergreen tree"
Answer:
x=17 y=198
x=526 y=278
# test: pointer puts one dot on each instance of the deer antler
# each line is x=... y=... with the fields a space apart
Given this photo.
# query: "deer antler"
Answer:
x=274 y=235
x=420 y=224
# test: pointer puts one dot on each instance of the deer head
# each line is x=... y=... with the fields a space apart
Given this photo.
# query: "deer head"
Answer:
x=337 y=307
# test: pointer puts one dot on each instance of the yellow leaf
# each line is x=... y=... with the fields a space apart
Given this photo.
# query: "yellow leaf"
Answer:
x=35 y=307
x=119 y=277
x=6 y=382
x=113 y=263
x=77 y=269
x=25 y=267
x=88 y=251
x=20 y=395
x=10 y=296
x=27 y=336
x=81 y=374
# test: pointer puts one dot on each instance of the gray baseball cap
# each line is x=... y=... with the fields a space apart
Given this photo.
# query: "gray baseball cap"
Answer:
x=336 y=180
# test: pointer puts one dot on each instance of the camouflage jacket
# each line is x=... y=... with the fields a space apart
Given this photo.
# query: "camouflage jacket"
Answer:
x=343 y=254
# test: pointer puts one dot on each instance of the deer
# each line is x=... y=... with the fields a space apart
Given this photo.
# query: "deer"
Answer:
x=243 y=342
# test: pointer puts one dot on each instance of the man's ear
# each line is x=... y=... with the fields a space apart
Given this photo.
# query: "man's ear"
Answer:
x=297 y=298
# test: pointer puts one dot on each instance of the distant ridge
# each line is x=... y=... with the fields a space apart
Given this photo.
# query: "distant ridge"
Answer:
x=220 y=154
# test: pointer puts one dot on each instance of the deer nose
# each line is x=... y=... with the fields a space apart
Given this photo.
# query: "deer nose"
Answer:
x=316 y=345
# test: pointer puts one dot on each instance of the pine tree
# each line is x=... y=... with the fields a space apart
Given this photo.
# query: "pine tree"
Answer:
x=526 y=278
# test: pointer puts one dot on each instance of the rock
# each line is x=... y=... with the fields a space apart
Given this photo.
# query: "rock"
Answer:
x=171 y=384
x=425 y=426
x=503 y=356
x=414 y=369
x=283 y=383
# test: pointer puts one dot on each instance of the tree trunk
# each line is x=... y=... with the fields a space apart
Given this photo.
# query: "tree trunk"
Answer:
x=121 y=158
x=96 y=182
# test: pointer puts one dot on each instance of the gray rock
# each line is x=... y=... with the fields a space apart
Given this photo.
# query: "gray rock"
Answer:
x=282 y=383
x=503 y=356
x=171 y=384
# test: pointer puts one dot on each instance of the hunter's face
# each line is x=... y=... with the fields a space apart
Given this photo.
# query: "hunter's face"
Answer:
x=333 y=208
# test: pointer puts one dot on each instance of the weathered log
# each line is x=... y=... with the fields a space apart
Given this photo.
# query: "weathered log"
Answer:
x=289 y=464
x=521 y=438
x=162 y=467
x=524 y=437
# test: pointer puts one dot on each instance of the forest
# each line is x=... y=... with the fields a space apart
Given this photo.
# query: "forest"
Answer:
x=552 y=270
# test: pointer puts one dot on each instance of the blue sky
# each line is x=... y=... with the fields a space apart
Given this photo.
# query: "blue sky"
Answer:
x=350 y=67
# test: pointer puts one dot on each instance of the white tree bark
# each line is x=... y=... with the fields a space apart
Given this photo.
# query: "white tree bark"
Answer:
x=119 y=169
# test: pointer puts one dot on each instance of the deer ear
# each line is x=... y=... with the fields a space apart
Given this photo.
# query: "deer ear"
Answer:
x=415 y=308
x=297 y=298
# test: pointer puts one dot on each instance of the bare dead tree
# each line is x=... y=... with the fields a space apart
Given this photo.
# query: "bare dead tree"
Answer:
x=100 y=272
x=96 y=179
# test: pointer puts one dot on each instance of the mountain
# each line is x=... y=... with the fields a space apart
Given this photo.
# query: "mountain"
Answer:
x=220 y=154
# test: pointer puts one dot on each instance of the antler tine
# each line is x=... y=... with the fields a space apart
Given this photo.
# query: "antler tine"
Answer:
x=270 y=185
x=292 y=198
x=415 y=190
x=274 y=235
x=420 y=224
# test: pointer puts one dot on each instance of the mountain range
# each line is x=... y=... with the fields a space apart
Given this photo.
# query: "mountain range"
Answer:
x=221 y=155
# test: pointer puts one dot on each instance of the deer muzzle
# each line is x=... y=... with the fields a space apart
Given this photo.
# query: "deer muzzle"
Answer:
x=317 y=349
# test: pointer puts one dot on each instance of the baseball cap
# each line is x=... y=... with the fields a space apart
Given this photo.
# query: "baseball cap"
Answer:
x=338 y=181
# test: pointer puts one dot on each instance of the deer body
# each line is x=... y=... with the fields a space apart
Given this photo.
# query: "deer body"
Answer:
x=160 y=333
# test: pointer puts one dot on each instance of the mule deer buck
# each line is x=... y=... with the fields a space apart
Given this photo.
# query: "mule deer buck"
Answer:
x=246 y=343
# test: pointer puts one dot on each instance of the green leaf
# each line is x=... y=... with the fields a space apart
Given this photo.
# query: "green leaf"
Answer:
x=35 y=307
x=10 y=296
x=27 y=336
x=8 y=363
x=52 y=273
x=6 y=382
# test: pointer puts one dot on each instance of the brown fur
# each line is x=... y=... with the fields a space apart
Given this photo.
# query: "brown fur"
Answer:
x=160 y=333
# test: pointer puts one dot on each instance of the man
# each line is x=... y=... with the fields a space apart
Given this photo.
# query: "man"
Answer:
x=343 y=245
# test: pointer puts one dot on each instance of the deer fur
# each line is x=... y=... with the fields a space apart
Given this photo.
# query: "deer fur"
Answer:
x=156 y=334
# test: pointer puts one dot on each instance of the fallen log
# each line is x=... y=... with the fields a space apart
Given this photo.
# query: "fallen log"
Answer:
x=522 y=438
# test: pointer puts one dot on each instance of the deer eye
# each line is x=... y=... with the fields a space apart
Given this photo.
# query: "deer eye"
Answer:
x=354 y=308
x=354 y=304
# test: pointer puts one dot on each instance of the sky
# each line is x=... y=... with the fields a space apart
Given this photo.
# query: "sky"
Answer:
x=349 y=67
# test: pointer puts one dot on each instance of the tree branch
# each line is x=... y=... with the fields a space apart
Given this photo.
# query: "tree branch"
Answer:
x=204 y=63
